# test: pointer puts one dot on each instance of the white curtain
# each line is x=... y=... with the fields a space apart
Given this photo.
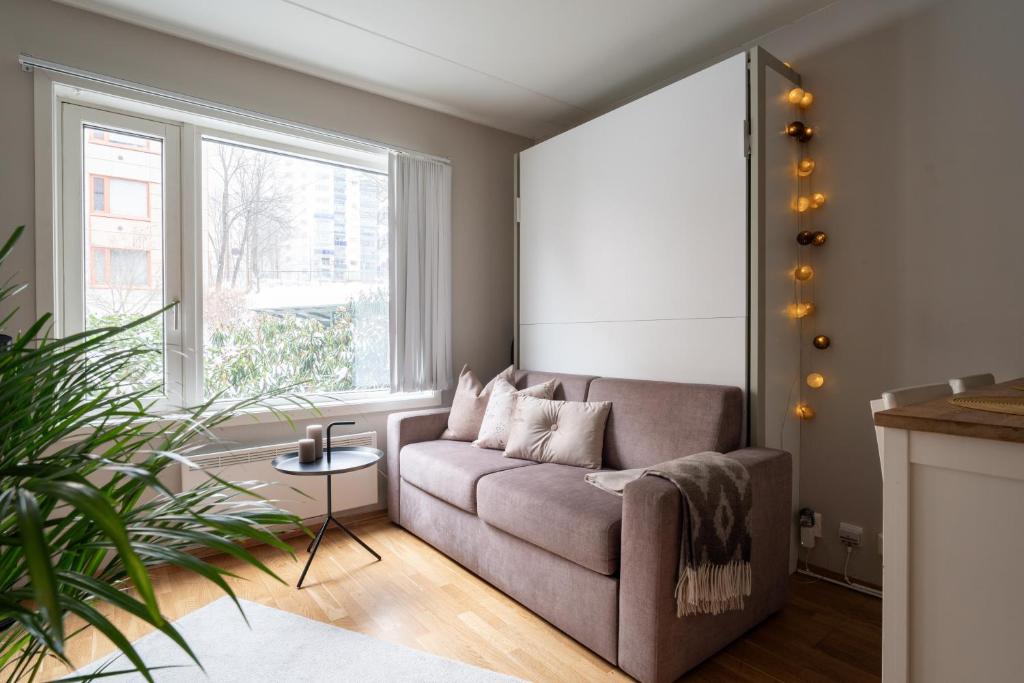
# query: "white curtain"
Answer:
x=420 y=234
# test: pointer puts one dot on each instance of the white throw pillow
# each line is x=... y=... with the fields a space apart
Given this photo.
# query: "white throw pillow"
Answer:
x=498 y=416
x=564 y=432
x=470 y=403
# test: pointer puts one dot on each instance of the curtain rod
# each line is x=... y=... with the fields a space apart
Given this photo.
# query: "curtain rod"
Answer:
x=29 y=63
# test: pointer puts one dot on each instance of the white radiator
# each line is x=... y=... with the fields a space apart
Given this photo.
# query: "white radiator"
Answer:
x=350 y=490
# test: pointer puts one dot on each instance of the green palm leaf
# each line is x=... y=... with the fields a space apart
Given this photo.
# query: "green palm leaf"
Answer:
x=84 y=512
x=37 y=560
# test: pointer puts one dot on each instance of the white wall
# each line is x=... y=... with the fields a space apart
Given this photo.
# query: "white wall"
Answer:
x=481 y=157
x=918 y=144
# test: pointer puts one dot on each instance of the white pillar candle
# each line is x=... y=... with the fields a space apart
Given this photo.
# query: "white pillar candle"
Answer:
x=307 y=450
x=316 y=432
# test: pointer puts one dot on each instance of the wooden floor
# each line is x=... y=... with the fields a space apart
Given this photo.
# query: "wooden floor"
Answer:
x=419 y=598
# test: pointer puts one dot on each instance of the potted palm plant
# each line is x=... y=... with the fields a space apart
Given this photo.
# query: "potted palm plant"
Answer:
x=84 y=512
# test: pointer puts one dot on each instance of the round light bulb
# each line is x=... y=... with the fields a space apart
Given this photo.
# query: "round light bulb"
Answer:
x=804 y=237
x=804 y=411
x=805 y=101
x=796 y=95
x=817 y=200
x=802 y=204
x=805 y=168
x=803 y=273
x=818 y=238
x=801 y=310
x=806 y=134
x=821 y=341
x=796 y=129
x=815 y=380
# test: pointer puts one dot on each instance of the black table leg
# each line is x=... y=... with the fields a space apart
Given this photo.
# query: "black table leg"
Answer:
x=354 y=537
x=315 y=544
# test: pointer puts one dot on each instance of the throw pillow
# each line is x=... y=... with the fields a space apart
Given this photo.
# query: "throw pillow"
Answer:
x=470 y=403
x=498 y=416
x=564 y=432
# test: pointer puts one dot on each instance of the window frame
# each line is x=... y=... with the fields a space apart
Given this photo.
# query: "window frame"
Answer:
x=106 y=253
x=52 y=91
x=192 y=138
x=106 y=212
x=76 y=198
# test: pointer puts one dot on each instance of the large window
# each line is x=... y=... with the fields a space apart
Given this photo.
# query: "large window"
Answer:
x=294 y=273
x=271 y=258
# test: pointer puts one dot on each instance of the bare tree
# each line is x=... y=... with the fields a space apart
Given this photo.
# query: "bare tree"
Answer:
x=248 y=215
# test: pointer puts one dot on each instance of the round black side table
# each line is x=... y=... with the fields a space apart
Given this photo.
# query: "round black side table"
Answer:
x=337 y=460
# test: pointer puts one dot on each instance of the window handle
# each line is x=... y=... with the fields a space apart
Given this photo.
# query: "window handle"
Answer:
x=175 y=306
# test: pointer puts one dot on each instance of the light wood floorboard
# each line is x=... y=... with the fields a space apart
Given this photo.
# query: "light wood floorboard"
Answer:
x=419 y=598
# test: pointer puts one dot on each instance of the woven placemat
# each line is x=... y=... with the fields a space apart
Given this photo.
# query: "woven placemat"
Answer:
x=1008 y=405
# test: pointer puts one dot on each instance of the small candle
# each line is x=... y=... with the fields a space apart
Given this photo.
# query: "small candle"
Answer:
x=316 y=432
x=307 y=450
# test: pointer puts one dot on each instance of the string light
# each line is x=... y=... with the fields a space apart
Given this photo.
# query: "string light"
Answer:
x=796 y=129
x=801 y=310
x=804 y=272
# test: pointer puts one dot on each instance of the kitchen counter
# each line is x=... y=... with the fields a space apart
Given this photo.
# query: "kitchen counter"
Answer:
x=942 y=417
x=952 y=511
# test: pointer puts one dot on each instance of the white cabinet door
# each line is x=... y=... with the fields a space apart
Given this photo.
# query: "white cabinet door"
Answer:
x=633 y=238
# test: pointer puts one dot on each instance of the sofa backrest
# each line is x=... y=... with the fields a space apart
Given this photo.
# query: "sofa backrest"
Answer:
x=651 y=422
x=570 y=387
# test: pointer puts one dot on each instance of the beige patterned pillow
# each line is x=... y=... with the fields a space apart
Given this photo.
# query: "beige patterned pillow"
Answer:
x=498 y=416
x=564 y=432
x=470 y=403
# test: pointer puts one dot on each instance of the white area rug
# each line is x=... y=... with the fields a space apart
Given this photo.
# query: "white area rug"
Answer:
x=282 y=646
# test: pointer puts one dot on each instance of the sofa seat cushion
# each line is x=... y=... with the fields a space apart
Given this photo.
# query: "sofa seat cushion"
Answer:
x=551 y=506
x=450 y=470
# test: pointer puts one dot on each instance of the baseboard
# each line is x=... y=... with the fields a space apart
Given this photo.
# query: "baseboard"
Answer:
x=364 y=515
x=838 y=576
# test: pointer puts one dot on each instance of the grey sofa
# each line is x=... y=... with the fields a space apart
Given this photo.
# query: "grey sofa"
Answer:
x=600 y=568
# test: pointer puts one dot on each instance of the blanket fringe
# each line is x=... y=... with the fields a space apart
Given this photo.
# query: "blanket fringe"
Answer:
x=712 y=588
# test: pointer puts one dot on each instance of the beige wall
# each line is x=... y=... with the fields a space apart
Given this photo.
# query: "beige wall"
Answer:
x=919 y=149
x=481 y=157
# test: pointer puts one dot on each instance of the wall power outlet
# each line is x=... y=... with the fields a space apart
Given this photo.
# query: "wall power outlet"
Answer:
x=850 y=534
x=810 y=527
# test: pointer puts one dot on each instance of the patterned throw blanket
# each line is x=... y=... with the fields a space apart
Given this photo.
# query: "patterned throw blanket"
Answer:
x=714 y=561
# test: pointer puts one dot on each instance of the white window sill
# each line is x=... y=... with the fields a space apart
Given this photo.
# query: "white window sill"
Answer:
x=329 y=407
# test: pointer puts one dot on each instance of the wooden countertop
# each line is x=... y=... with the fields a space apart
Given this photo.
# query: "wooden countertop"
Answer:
x=946 y=418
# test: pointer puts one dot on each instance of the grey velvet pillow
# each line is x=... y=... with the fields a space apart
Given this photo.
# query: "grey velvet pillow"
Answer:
x=563 y=432
x=470 y=403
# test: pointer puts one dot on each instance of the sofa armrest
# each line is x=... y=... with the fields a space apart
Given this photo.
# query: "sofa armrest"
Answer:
x=403 y=429
x=655 y=644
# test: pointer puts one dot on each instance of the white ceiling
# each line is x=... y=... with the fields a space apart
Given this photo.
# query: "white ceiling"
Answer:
x=533 y=67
